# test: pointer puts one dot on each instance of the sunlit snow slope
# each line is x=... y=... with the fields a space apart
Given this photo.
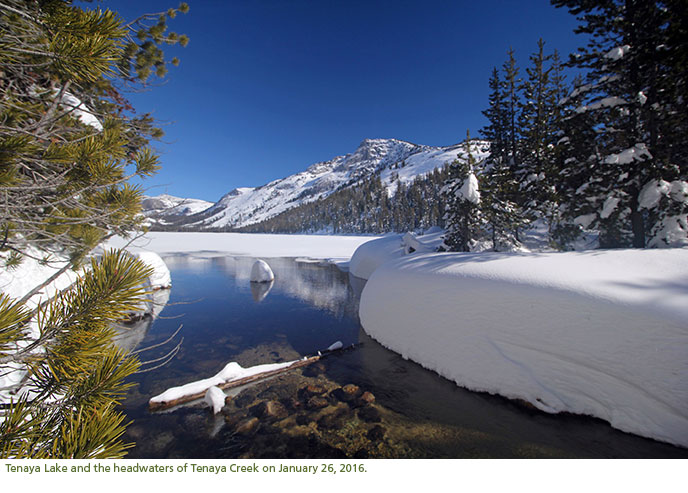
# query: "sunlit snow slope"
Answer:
x=394 y=160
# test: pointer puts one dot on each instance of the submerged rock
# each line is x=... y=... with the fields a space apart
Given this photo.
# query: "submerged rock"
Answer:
x=333 y=420
x=311 y=390
x=376 y=433
x=369 y=414
x=367 y=398
x=269 y=409
x=248 y=426
x=348 y=393
x=317 y=402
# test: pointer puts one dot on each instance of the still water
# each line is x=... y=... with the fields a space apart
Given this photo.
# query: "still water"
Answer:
x=363 y=403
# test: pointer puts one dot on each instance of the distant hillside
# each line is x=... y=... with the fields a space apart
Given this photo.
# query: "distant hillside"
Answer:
x=168 y=210
x=381 y=166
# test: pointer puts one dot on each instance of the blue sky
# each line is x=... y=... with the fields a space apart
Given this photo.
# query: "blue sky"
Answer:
x=266 y=88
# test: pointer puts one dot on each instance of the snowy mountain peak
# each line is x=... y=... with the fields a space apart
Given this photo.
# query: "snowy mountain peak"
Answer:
x=395 y=161
x=163 y=208
x=378 y=150
x=236 y=192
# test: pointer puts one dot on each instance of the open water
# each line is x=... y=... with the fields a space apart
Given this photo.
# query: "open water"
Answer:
x=363 y=403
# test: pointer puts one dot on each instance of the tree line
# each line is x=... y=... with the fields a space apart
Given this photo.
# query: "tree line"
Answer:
x=604 y=152
x=608 y=153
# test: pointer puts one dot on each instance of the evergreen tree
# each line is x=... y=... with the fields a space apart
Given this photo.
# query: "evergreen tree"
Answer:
x=627 y=136
x=462 y=198
x=540 y=127
x=501 y=204
x=68 y=135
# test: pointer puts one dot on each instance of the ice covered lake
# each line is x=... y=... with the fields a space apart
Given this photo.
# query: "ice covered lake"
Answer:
x=319 y=411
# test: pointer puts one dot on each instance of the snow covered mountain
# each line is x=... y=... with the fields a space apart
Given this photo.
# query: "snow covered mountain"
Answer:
x=165 y=209
x=394 y=160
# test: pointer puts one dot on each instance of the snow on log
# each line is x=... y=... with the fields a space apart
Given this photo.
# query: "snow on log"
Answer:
x=232 y=375
x=600 y=333
x=261 y=272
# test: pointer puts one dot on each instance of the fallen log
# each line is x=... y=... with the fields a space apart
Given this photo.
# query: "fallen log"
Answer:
x=160 y=403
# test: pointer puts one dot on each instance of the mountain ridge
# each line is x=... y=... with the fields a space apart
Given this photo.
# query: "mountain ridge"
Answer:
x=394 y=161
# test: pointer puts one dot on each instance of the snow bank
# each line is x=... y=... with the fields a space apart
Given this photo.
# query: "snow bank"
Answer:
x=369 y=256
x=426 y=243
x=374 y=253
x=261 y=272
x=601 y=333
x=160 y=279
x=30 y=273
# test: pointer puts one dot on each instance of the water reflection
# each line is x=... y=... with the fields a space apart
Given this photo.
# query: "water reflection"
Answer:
x=321 y=285
x=130 y=335
x=260 y=290
x=310 y=305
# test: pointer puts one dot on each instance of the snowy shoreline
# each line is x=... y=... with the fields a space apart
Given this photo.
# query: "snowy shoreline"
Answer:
x=599 y=333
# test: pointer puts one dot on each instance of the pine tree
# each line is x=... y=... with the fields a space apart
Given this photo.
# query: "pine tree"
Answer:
x=501 y=198
x=540 y=128
x=627 y=136
x=462 y=198
x=68 y=135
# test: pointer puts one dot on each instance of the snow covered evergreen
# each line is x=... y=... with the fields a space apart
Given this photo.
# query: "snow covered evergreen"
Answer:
x=625 y=132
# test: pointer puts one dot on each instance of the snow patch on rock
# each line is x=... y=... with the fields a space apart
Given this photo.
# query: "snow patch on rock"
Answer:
x=261 y=272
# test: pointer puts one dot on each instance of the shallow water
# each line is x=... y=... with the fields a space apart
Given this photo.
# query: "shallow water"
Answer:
x=390 y=408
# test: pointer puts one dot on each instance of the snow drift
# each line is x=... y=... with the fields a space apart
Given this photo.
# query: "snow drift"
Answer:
x=370 y=255
x=601 y=333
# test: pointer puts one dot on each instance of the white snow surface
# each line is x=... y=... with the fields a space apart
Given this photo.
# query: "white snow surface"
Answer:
x=673 y=232
x=215 y=398
x=372 y=254
x=261 y=272
x=171 y=205
x=617 y=52
x=600 y=333
x=608 y=102
x=369 y=256
x=232 y=371
x=652 y=193
x=77 y=109
x=609 y=206
x=17 y=282
x=161 y=278
x=638 y=152
x=469 y=190
x=210 y=245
